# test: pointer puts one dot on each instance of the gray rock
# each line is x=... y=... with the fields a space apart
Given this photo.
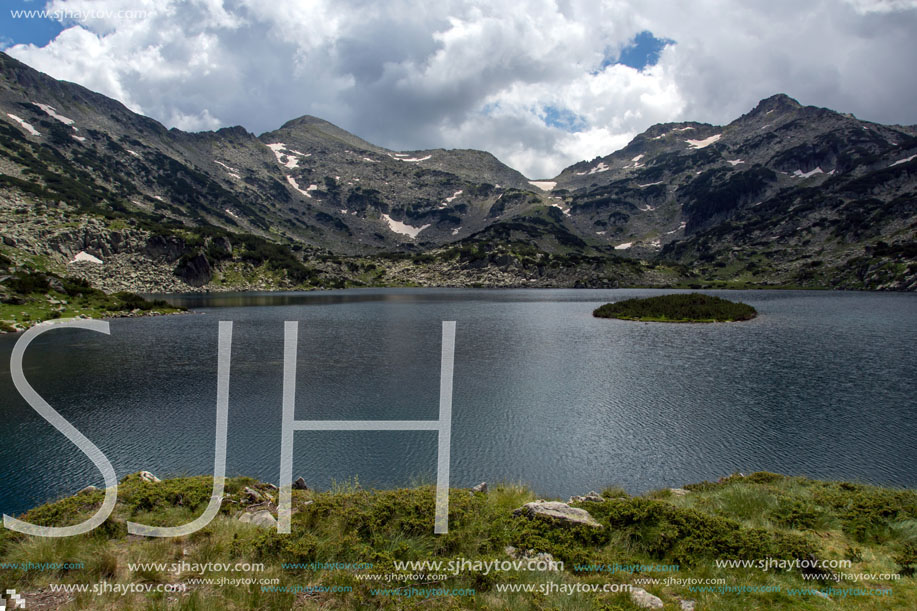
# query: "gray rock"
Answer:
x=147 y=476
x=270 y=486
x=591 y=497
x=300 y=484
x=644 y=599
x=262 y=518
x=482 y=487
x=88 y=489
x=253 y=496
x=687 y=605
x=560 y=512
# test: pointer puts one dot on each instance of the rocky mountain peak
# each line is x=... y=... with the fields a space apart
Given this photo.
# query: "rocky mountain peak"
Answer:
x=777 y=101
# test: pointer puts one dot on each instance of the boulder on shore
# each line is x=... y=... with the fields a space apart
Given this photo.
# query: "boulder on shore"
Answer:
x=557 y=511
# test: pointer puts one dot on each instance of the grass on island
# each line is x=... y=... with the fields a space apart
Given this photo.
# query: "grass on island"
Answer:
x=764 y=515
x=691 y=307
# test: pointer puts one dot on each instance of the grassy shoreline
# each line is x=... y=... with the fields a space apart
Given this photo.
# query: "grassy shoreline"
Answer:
x=870 y=530
x=30 y=297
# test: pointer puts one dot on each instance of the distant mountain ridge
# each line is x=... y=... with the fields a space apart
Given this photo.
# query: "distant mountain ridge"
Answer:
x=784 y=195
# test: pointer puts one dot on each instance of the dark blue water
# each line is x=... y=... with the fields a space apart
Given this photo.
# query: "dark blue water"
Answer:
x=820 y=384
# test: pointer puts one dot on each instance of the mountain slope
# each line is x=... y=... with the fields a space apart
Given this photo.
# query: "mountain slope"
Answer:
x=309 y=181
x=784 y=195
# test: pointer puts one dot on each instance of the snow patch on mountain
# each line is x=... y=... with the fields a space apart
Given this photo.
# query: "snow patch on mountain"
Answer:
x=699 y=144
x=52 y=112
x=296 y=186
x=449 y=199
x=900 y=161
x=25 y=125
x=289 y=158
x=228 y=168
x=401 y=157
x=402 y=228
x=85 y=257
x=801 y=174
x=680 y=227
x=544 y=185
x=234 y=173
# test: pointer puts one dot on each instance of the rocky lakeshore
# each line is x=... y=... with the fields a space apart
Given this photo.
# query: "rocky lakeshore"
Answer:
x=822 y=544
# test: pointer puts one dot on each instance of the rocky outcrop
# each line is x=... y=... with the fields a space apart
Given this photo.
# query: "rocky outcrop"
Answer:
x=164 y=248
x=195 y=270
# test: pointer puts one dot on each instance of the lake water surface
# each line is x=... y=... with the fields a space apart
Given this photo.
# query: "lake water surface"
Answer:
x=820 y=384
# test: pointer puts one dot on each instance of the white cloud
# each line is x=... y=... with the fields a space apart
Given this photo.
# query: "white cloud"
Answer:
x=481 y=73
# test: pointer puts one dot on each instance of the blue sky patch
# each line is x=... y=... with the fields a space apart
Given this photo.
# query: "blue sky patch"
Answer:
x=641 y=52
x=18 y=26
x=563 y=118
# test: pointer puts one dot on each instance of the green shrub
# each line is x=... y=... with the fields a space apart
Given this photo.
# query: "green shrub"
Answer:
x=794 y=513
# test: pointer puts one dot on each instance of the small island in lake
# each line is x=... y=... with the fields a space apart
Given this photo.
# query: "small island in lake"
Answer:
x=691 y=307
